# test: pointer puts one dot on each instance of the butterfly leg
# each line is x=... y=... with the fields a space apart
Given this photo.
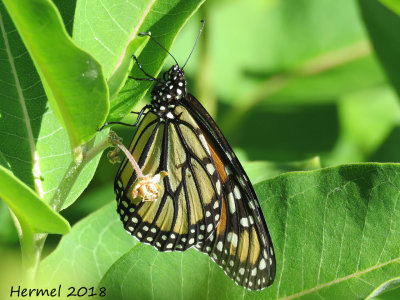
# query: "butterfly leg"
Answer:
x=140 y=115
x=110 y=123
x=150 y=78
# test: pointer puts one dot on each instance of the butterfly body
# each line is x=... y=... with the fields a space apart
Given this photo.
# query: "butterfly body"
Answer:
x=207 y=201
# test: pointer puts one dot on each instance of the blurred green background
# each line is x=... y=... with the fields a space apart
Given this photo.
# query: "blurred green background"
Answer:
x=286 y=80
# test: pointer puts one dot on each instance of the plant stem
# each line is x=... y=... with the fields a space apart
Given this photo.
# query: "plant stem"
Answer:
x=278 y=82
x=74 y=170
x=32 y=243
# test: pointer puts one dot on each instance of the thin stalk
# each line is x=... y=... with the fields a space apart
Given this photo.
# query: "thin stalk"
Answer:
x=131 y=159
x=74 y=170
x=32 y=243
x=275 y=84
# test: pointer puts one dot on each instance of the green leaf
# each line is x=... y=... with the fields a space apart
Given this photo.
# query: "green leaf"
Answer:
x=28 y=207
x=119 y=76
x=8 y=233
x=72 y=79
x=37 y=148
x=383 y=26
x=84 y=255
x=392 y=4
x=386 y=287
x=335 y=233
x=108 y=40
x=113 y=40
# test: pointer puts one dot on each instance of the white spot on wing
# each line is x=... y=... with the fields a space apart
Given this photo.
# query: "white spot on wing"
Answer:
x=204 y=143
x=244 y=222
x=210 y=168
x=228 y=170
x=237 y=193
x=263 y=264
x=218 y=186
x=251 y=220
x=216 y=204
x=232 y=206
x=219 y=246
x=233 y=238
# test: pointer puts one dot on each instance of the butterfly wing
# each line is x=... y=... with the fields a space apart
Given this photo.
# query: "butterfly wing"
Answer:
x=189 y=207
x=241 y=244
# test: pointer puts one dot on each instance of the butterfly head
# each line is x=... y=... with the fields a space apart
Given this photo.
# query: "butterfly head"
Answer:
x=171 y=88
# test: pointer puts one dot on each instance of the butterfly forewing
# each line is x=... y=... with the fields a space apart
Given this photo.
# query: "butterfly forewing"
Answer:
x=189 y=207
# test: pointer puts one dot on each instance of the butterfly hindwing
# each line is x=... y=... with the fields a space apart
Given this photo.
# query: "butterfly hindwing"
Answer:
x=241 y=244
x=189 y=207
x=206 y=201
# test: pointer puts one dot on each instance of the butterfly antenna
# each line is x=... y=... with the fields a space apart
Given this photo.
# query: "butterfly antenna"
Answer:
x=195 y=43
x=162 y=47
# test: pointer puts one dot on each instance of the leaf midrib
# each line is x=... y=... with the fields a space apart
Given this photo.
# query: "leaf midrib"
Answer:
x=338 y=280
x=38 y=184
x=133 y=35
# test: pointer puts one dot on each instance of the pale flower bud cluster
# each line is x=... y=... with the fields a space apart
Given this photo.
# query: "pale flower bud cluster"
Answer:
x=147 y=188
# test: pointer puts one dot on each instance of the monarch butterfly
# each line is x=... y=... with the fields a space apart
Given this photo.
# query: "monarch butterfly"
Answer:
x=206 y=201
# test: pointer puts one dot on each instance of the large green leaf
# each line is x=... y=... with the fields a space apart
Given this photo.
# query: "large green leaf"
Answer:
x=73 y=80
x=35 y=146
x=28 y=207
x=107 y=28
x=335 y=233
x=84 y=255
x=383 y=26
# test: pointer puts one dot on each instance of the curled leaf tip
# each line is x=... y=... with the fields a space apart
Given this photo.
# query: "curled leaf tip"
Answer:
x=113 y=156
